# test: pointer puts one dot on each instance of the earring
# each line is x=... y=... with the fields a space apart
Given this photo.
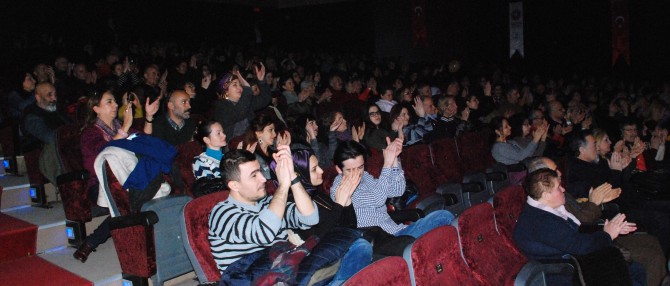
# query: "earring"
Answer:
x=260 y=141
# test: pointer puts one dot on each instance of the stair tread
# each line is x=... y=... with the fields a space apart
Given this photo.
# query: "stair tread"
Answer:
x=10 y=182
x=40 y=216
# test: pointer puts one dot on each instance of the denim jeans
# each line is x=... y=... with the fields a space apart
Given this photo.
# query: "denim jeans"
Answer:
x=336 y=244
x=427 y=223
x=358 y=256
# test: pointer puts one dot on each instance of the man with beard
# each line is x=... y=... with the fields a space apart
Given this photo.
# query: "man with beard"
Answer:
x=39 y=123
x=175 y=127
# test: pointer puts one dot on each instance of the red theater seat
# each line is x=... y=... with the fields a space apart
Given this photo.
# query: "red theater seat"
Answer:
x=508 y=204
x=195 y=225
x=184 y=160
x=389 y=271
x=435 y=259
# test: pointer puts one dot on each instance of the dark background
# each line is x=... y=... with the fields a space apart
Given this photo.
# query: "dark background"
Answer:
x=561 y=37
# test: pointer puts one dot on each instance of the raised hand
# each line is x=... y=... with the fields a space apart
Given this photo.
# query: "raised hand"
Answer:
x=391 y=152
x=284 y=139
x=617 y=161
x=128 y=117
x=260 y=71
x=150 y=109
x=603 y=194
x=418 y=107
x=336 y=124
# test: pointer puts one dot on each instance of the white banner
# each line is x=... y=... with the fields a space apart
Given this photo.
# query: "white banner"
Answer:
x=516 y=28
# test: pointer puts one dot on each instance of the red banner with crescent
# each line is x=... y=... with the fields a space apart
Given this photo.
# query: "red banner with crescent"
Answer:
x=419 y=31
x=620 y=31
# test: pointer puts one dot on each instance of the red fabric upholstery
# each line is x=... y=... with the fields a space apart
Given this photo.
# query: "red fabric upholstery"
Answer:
x=74 y=193
x=184 y=160
x=329 y=175
x=76 y=205
x=37 y=271
x=134 y=245
x=235 y=141
x=387 y=271
x=196 y=216
x=475 y=150
x=374 y=164
x=447 y=161
x=17 y=238
x=32 y=159
x=436 y=259
x=417 y=163
x=489 y=255
x=68 y=147
x=508 y=204
x=7 y=139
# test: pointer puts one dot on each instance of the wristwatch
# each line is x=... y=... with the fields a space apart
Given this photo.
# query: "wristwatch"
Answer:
x=296 y=180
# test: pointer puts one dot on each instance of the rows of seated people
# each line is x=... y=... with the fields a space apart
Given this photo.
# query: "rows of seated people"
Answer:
x=446 y=130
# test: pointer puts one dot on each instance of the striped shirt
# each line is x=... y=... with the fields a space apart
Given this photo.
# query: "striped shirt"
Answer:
x=237 y=229
x=369 y=198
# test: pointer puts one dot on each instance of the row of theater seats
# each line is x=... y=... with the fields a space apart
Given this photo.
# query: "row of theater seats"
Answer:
x=428 y=165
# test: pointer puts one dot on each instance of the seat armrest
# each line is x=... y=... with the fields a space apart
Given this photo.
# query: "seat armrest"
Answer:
x=474 y=187
x=82 y=175
x=496 y=176
x=401 y=216
x=146 y=218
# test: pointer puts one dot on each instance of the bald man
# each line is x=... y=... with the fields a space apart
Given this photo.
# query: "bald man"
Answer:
x=39 y=123
x=175 y=126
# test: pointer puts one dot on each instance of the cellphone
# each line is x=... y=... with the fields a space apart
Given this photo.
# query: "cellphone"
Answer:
x=131 y=97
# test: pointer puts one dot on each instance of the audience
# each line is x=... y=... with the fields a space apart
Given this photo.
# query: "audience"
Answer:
x=327 y=88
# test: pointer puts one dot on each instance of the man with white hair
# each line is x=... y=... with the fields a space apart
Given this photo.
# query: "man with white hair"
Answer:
x=39 y=123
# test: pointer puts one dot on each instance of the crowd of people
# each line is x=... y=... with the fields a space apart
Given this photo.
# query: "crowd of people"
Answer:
x=284 y=117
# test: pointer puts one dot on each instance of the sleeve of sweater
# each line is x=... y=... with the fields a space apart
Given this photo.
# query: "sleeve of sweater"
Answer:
x=391 y=182
x=263 y=99
x=236 y=226
x=37 y=127
x=559 y=235
x=510 y=153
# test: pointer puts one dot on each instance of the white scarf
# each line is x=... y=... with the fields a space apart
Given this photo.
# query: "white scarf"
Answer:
x=559 y=211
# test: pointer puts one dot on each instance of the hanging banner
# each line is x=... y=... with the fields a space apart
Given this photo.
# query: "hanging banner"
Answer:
x=419 y=31
x=516 y=28
x=620 y=31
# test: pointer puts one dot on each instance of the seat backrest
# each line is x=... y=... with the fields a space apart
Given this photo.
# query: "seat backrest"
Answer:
x=68 y=146
x=475 y=151
x=435 y=259
x=32 y=159
x=478 y=193
x=195 y=226
x=417 y=162
x=172 y=260
x=446 y=160
x=184 y=160
x=453 y=190
x=374 y=164
x=487 y=253
x=329 y=175
x=508 y=204
x=388 y=271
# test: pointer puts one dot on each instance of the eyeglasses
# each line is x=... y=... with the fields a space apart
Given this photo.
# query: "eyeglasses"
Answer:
x=374 y=113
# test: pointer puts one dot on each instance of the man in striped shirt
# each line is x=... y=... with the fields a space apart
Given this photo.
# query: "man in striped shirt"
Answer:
x=249 y=220
x=369 y=198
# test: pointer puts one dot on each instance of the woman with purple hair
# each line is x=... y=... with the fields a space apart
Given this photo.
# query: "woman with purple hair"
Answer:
x=338 y=237
x=236 y=105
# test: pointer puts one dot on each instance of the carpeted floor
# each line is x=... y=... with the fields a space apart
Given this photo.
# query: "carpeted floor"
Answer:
x=37 y=271
x=17 y=238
